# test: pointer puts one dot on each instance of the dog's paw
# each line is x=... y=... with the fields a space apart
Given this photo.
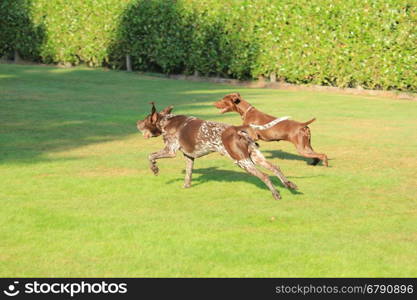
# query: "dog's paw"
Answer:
x=314 y=162
x=155 y=170
x=276 y=195
x=291 y=185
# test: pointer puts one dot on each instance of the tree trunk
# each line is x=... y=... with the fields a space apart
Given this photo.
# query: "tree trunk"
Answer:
x=128 y=63
x=17 y=58
x=273 y=77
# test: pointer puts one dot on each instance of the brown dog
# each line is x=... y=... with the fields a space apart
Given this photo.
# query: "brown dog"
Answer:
x=196 y=138
x=292 y=131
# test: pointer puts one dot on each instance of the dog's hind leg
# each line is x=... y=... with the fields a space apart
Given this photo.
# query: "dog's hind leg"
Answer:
x=309 y=153
x=189 y=162
x=250 y=167
x=315 y=161
x=303 y=146
x=258 y=158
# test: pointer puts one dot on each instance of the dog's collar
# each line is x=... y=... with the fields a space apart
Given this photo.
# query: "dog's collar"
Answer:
x=246 y=111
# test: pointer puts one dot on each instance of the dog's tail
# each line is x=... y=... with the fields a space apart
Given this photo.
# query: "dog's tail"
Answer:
x=270 y=124
x=308 y=122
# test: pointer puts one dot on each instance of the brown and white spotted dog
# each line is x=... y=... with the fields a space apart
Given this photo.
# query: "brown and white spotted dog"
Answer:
x=196 y=138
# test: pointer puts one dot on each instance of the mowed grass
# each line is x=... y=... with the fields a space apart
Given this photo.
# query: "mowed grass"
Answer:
x=78 y=199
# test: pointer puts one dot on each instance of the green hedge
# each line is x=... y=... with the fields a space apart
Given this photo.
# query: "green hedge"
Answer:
x=76 y=31
x=345 y=43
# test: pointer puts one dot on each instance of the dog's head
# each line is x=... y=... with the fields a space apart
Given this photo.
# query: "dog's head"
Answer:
x=150 y=126
x=228 y=103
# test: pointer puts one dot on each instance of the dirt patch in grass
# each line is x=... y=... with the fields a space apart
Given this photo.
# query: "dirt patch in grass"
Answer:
x=260 y=83
x=297 y=87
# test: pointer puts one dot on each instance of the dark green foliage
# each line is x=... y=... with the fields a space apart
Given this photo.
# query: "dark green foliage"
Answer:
x=366 y=43
x=152 y=33
x=17 y=32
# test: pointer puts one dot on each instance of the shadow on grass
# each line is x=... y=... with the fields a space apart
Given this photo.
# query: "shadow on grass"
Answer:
x=288 y=156
x=214 y=174
x=45 y=110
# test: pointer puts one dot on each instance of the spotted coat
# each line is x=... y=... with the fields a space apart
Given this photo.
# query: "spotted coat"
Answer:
x=196 y=138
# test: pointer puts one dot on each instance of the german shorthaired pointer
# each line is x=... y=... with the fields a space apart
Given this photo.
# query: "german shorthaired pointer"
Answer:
x=196 y=138
x=288 y=130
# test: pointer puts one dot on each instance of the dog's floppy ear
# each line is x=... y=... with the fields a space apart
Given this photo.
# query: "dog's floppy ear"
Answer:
x=167 y=110
x=154 y=114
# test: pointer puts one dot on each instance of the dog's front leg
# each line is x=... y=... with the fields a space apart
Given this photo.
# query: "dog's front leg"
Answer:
x=189 y=163
x=164 y=153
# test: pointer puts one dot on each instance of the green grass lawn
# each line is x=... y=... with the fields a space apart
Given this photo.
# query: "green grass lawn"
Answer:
x=78 y=199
